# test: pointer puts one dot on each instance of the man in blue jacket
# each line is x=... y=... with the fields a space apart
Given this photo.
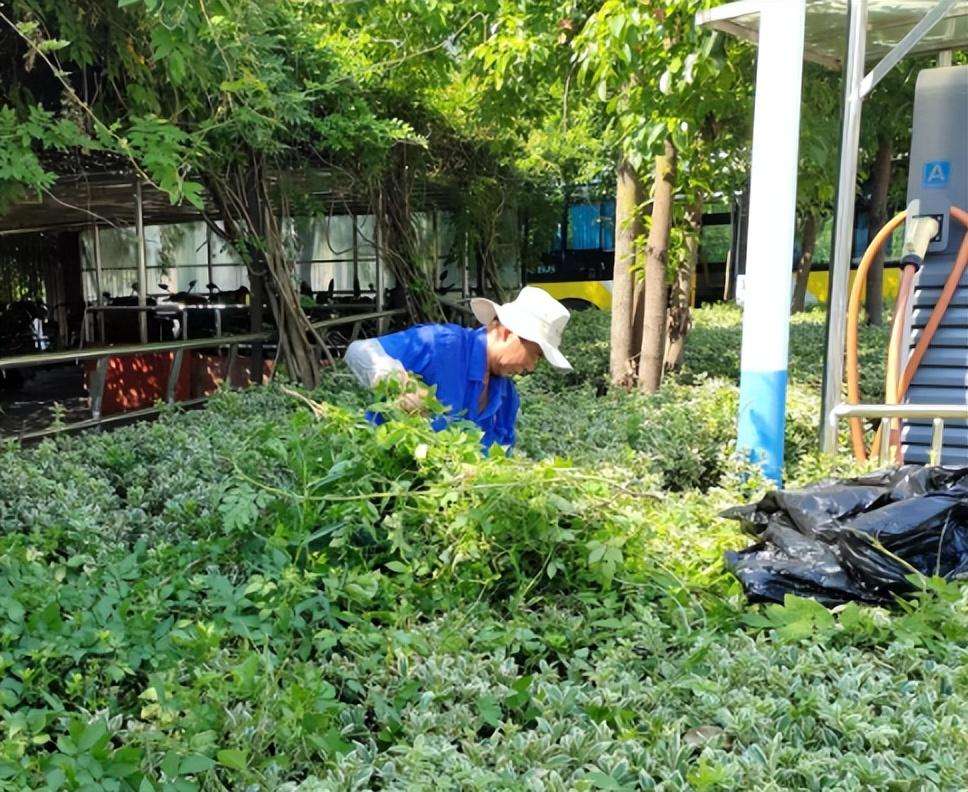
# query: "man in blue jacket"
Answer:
x=470 y=367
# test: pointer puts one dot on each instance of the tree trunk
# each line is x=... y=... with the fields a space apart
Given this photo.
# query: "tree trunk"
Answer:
x=808 y=242
x=400 y=249
x=250 y=225
x=878 y=216
x=628 y=227
x=657 y=252
x=681 y=296
x=638 y=306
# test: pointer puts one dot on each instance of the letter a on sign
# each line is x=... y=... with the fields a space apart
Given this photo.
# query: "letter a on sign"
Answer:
x=936 y=174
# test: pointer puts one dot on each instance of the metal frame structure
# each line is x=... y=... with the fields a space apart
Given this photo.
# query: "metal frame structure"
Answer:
x=103 y=355
x=857 y=86
x=938 y=413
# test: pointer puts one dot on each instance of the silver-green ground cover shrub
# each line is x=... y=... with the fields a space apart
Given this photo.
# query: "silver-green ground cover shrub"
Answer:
x=272 y=594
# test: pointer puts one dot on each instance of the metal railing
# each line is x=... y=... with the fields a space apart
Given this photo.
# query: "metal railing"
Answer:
x=102 y=358
x=103 y=355
x=936 y=413
x=323 y=327
x=165 y=309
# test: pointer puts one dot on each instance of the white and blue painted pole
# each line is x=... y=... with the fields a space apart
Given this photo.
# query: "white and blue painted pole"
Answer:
x=769 y=252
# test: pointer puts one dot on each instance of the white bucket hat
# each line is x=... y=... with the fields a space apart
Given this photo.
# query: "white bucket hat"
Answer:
x=535 y=316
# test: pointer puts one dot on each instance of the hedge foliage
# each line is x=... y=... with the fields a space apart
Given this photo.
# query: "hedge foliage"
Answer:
x=273 y=594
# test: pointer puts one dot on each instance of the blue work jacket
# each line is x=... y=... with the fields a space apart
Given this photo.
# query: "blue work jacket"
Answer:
x=454 y=359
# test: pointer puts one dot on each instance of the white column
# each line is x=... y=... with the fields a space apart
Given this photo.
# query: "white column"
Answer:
x=769 y=253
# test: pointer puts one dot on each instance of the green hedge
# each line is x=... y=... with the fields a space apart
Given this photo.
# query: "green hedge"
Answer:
x=273 y=594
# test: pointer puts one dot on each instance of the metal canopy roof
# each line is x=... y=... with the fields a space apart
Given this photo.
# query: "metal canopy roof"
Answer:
x=826 y=26
x=105 y=197
x=845 y=35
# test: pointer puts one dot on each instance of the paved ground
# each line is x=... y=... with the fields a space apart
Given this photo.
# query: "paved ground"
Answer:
x=34 y=403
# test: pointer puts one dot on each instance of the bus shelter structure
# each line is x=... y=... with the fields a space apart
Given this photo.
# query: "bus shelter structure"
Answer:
x=864 y=39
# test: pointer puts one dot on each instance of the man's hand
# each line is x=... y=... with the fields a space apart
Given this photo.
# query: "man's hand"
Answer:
x=414 y=401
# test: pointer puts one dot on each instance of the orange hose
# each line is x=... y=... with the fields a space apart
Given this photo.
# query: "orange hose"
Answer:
x=892 y=380
x=950 y=287
x=853 y=313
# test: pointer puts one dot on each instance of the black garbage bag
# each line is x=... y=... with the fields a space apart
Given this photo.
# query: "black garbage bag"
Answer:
x=855 y=539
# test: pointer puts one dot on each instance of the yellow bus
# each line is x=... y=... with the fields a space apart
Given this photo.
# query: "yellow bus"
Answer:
x=577 y=270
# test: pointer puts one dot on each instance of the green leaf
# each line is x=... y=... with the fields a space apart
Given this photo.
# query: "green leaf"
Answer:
x=66 y=745
x=15 y=611
x=196 y=763
x=489 y=710
x=232 y=758
x=93 y=733
x=601 y=781
x=169 y=765
x=617 y=24
x=56 y=778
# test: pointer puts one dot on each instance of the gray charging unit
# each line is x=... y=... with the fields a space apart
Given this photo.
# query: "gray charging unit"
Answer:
x=938 y=179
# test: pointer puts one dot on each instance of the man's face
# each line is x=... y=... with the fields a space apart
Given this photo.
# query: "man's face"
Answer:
x=509 y=354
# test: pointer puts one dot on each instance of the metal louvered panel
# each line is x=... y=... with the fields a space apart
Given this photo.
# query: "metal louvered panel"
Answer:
x=938 y=179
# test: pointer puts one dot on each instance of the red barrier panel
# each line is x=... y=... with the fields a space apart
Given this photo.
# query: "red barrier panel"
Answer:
x=208 y=372
x=138 y=381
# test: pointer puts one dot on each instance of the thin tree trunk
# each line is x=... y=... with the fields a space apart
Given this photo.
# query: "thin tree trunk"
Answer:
x=242 y=196
x=878 y=216
x=655 y=301
x=628 y=196
x=808 y=241
x=681 y=296
x=400 y=249
x=638 y=304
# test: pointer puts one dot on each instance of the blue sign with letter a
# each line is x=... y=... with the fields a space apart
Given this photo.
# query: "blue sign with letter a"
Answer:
x=936 y=174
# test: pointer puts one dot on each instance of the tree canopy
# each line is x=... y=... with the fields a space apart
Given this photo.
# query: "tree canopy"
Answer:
x=510 y=101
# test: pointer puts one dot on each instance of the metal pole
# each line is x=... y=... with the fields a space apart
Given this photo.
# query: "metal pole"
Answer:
x=356 y=251
x=173 y=374
x=98 y=277
x=139 y=220
x=381 y=325
x=905 y=45
x=380 y=296
x=766 y=314
x=937 y=442
x=99 y=281
x=208 y=257
x=844 y=218
x=944 y=58
x=98 y=381
x=231 y=363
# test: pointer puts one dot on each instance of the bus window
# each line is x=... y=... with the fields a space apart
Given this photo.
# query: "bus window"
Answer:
x=608 y=225
x=591 y=226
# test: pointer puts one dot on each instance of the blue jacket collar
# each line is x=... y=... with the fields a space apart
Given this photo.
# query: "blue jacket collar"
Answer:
x=478 y=361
